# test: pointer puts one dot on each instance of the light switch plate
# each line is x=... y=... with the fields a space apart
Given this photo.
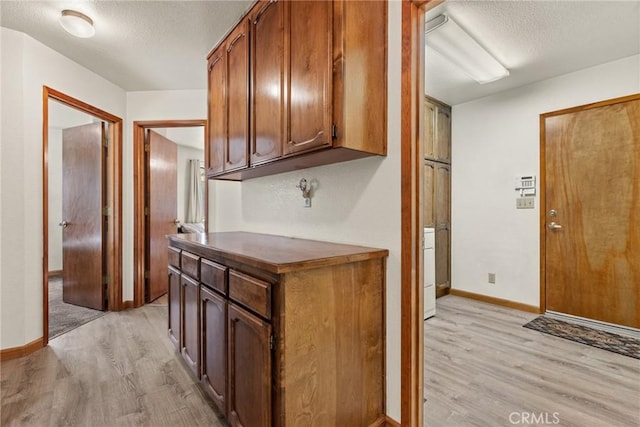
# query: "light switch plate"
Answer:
x=307 y=202
x=525 y=202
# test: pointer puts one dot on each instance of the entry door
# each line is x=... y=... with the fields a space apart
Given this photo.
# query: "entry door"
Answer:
x=162 y=211
x=592 y=229
x=83 y=198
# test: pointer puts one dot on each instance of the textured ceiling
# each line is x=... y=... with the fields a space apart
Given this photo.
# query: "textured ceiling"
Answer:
x=162 y=45
x=535 y=40
x=139 y=45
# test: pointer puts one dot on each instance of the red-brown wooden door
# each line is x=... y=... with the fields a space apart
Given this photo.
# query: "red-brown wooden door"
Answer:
x=592 y=218
x=162 y=209
x=83 y=197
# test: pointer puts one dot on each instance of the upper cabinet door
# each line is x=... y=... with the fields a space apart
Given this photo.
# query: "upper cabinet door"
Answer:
x=217 y=112
x=310 y=79
x=429 y=130
x=443 y=135
x=268 y=81
x=237 y=97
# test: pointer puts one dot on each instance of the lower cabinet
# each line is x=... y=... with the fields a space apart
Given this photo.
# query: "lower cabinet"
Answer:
x=190 y=323
x=300 y=347
x=174 y=307
x=249 y=369
x=213 y=321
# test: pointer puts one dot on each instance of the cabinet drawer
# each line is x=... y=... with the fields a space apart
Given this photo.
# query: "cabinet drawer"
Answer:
x=253 y=293
x=213 y=275
x=174 y=257
x=190 y=265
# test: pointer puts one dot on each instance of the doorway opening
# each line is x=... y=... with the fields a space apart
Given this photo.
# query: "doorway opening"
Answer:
x=82 y=199
x=169 y=196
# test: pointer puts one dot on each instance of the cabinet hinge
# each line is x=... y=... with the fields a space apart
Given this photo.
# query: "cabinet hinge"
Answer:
x=334 y=132
x=106 y=211
x=272 y=342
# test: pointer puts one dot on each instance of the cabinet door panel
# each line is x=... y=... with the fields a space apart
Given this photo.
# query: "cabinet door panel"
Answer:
x=429 y=130
x=442 y=196
x=217 y=137
x=174 y=307
x=428 y=209
x=237 y=98
x=310 y=79
x=268 y=74
x=443 y=135
x=213 y=321
x=249 y=369
x=190 y=324
x=443 y=268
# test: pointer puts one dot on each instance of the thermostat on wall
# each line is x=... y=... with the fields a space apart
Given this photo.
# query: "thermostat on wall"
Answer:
x=526 y=184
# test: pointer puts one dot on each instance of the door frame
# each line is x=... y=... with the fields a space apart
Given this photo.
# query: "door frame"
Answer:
x=543 y=183
x=139 y=184
x=114 y=200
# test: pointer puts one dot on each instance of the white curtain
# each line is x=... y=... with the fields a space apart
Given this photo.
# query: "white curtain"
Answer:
x=195 y=193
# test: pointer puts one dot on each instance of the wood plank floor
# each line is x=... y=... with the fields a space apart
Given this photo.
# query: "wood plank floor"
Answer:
x=118 y=370
x=482 y=368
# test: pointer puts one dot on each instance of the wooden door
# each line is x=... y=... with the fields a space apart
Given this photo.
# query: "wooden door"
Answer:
x=175 y=297
x=237 y=103
x=249 y=369
x=83 y=200
x=310 y=75
x=217 y=129
x=162 y=205
x=267 y=76
x=213 y=361
x=442 y=146
x=592 y=219
x=190 y=323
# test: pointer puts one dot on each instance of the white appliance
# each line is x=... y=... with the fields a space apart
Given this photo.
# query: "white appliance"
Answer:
x=429 y=272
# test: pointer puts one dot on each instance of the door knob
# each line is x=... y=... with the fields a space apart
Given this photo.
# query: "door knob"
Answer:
x=554 y=226
x=176 y=221
x=63 y=224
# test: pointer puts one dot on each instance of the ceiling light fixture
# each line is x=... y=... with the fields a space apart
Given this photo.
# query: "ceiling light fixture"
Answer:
x=77 y=24
x=446 y=37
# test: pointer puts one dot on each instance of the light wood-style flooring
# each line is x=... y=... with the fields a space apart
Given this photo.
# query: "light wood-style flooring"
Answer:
x=482 y=368
x=118 y=370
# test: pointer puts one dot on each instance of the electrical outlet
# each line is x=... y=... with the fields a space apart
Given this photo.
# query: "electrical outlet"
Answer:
x=307 y=202
x=525 y=202
x=492 y=278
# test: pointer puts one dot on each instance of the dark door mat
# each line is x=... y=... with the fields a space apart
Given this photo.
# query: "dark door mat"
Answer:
x=627 y=346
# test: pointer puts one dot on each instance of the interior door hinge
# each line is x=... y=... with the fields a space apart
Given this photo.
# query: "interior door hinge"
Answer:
x=106 y=211
x=106 y=142
x=146 y=210
x=106 y=280
x=146 y=148
x=334 y=132
x=146 y=274
x=272 y=342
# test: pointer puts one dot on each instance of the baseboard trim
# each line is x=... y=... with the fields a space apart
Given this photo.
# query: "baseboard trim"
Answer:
x=54 y=273
x=127 y=304
x=17 y=352
x=390 y=422
x=495 y=301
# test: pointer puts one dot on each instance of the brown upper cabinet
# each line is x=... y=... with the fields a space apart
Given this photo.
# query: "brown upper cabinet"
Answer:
x=312 y=91
x=437 y=127
x=228 y=103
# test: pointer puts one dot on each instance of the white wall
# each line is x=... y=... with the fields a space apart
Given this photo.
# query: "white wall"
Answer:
x=184 y=155
x=494 y=139
x=357 y=202
x=27 y=65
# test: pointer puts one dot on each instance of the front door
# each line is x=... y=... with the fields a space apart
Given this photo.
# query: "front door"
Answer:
x=592 y=218
x=83 y=199
x=162 y=188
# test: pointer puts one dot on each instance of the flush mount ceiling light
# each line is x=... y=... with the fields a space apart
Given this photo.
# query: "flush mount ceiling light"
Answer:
x=77 y=24
x=446 y=37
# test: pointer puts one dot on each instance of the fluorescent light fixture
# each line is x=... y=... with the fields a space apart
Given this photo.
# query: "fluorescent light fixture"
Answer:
x=446 y=37
x=77 y=24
